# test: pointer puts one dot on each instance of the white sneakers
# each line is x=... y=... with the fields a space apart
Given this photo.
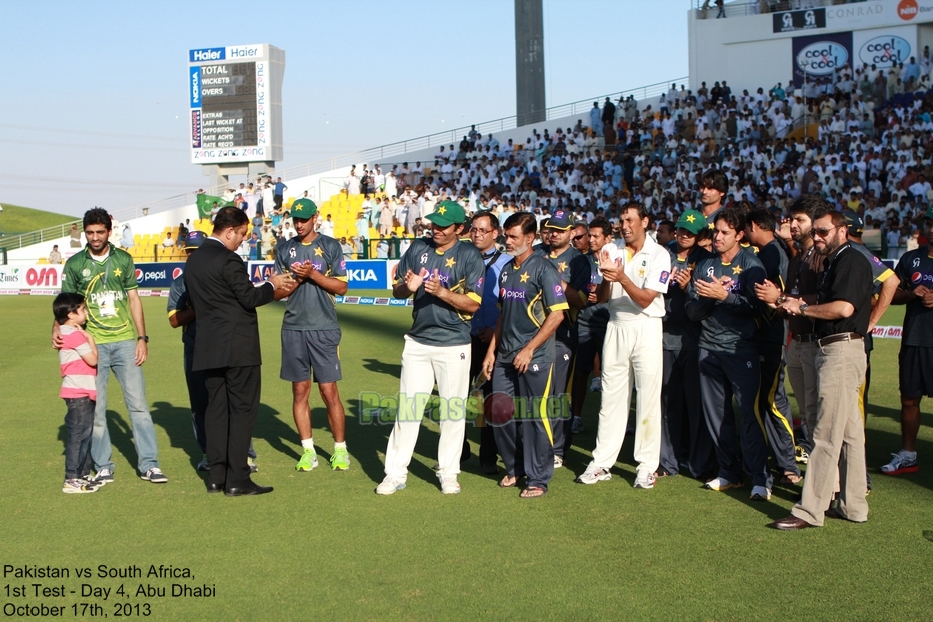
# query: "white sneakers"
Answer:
x=389 y=485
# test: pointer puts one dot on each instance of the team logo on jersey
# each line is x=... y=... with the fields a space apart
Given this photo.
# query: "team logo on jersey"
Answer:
x=748 y=364
x=664 y=276
x=292 y=252
x=534 y=368
x=566 y=357
x=86 y=273
x=711 y=272
x=462 y=356
x=504 y=276
x=916 y=263
x=424 y=258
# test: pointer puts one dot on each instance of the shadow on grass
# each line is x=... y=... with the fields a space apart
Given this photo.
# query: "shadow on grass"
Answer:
x=379 y=367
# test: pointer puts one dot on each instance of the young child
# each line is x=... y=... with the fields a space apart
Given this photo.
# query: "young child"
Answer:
x=78 y=358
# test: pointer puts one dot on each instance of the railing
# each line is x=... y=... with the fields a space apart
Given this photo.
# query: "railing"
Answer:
x=373 y=156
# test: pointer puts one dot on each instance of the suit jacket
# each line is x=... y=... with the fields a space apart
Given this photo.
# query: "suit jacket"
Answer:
x=224 y=301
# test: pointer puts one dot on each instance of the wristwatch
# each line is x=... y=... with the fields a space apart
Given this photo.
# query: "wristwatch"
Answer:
x=803 y=309
x=143 y=338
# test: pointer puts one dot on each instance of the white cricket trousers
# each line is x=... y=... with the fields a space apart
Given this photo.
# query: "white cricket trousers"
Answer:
x=422 y=366
x=632 y=356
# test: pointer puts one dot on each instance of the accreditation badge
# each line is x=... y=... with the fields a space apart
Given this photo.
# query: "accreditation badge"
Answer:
x=108 y=307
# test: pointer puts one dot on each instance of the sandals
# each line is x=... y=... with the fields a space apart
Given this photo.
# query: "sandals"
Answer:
x=533 y=492
x=509 y=481
x=791 y=479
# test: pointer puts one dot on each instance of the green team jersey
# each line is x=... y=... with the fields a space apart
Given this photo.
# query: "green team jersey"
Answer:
x=104 y=285
x=527 y=294
x=461 y=270
x=310 y=307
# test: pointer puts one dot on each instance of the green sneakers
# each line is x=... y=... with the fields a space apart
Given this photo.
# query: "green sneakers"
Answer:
x=308 y=461
x=340 y=461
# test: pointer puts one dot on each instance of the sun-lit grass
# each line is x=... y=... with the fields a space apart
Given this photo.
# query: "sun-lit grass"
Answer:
x=323 y=546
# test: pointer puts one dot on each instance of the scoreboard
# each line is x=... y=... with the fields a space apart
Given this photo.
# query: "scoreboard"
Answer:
x=236 y=104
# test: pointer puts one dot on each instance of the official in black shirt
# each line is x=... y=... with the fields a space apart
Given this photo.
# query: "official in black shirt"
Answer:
x=841 y=315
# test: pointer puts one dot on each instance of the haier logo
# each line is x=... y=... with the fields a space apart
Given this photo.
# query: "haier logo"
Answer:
x=822 y=57
x=244 y=52
x=208 y=54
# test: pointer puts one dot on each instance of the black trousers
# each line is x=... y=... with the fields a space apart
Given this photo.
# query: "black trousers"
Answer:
x=233 y=402
x=488 y=452
x=685 y=438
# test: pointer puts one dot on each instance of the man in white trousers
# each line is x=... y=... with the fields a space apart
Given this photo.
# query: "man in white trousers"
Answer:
x=634 y=284
x=446 y=277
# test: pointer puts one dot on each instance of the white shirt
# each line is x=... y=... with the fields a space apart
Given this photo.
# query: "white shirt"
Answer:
x=649 y=268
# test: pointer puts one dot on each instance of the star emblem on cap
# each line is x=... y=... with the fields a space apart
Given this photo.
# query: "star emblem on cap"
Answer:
x=524 y=277
x=450 y=262
x=118 y=272
x=737 y=270
x=690 y=218
x=442 y=210
x=319 y=252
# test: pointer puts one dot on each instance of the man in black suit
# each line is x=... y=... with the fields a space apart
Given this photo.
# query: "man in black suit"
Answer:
x=226 y=348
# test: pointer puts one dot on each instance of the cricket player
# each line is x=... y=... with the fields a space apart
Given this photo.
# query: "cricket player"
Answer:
x=446 y=277
x=634 y=286
x=520 y=359
x=310 y=332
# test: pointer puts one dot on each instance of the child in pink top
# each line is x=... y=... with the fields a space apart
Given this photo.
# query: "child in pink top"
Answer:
x=78 y=358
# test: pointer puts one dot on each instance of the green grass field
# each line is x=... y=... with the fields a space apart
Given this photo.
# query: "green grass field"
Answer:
x=16 y=219
x=323 y=546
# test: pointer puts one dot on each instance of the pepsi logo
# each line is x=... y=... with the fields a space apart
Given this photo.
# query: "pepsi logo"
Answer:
x=175 y=273
x=139 y=274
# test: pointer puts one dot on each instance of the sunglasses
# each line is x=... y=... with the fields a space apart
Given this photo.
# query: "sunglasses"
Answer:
x=822 y=232
x=577 y=238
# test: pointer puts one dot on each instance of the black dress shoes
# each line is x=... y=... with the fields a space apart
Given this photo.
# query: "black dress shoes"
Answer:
x=251 y=488
x=215 y=488
x=791 y=523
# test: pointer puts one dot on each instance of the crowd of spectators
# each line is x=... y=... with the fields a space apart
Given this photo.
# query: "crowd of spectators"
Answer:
x=861 y=139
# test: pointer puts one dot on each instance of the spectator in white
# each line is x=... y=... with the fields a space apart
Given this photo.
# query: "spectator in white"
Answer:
x=920 y=188
x=168 y=242
x=382 y=249
x=893 y=239
x=596 y=119
x=127 y=240
x=391 y=184
x=327 y=227
x=288 y=231
x=352 y=182
x=55 y=256
x=362 y=226
x=268 y=200
x=75 y=237
x=386 y=218
x=379 y=180
x=346 y=248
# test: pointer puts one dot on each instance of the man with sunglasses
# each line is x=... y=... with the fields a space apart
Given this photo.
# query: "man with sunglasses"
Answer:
x=574 y=271
x=445 y=276
x=841 y=317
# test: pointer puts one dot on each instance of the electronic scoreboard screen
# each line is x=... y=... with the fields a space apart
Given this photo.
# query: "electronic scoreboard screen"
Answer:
x=235 y=104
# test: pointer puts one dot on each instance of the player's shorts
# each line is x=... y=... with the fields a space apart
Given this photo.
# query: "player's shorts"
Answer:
x=912 y=362
x=304 y=351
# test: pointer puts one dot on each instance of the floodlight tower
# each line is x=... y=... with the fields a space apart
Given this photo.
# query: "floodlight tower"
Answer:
x=529 y=62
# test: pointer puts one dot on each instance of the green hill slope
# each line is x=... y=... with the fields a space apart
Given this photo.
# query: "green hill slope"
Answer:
x=15 y=219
